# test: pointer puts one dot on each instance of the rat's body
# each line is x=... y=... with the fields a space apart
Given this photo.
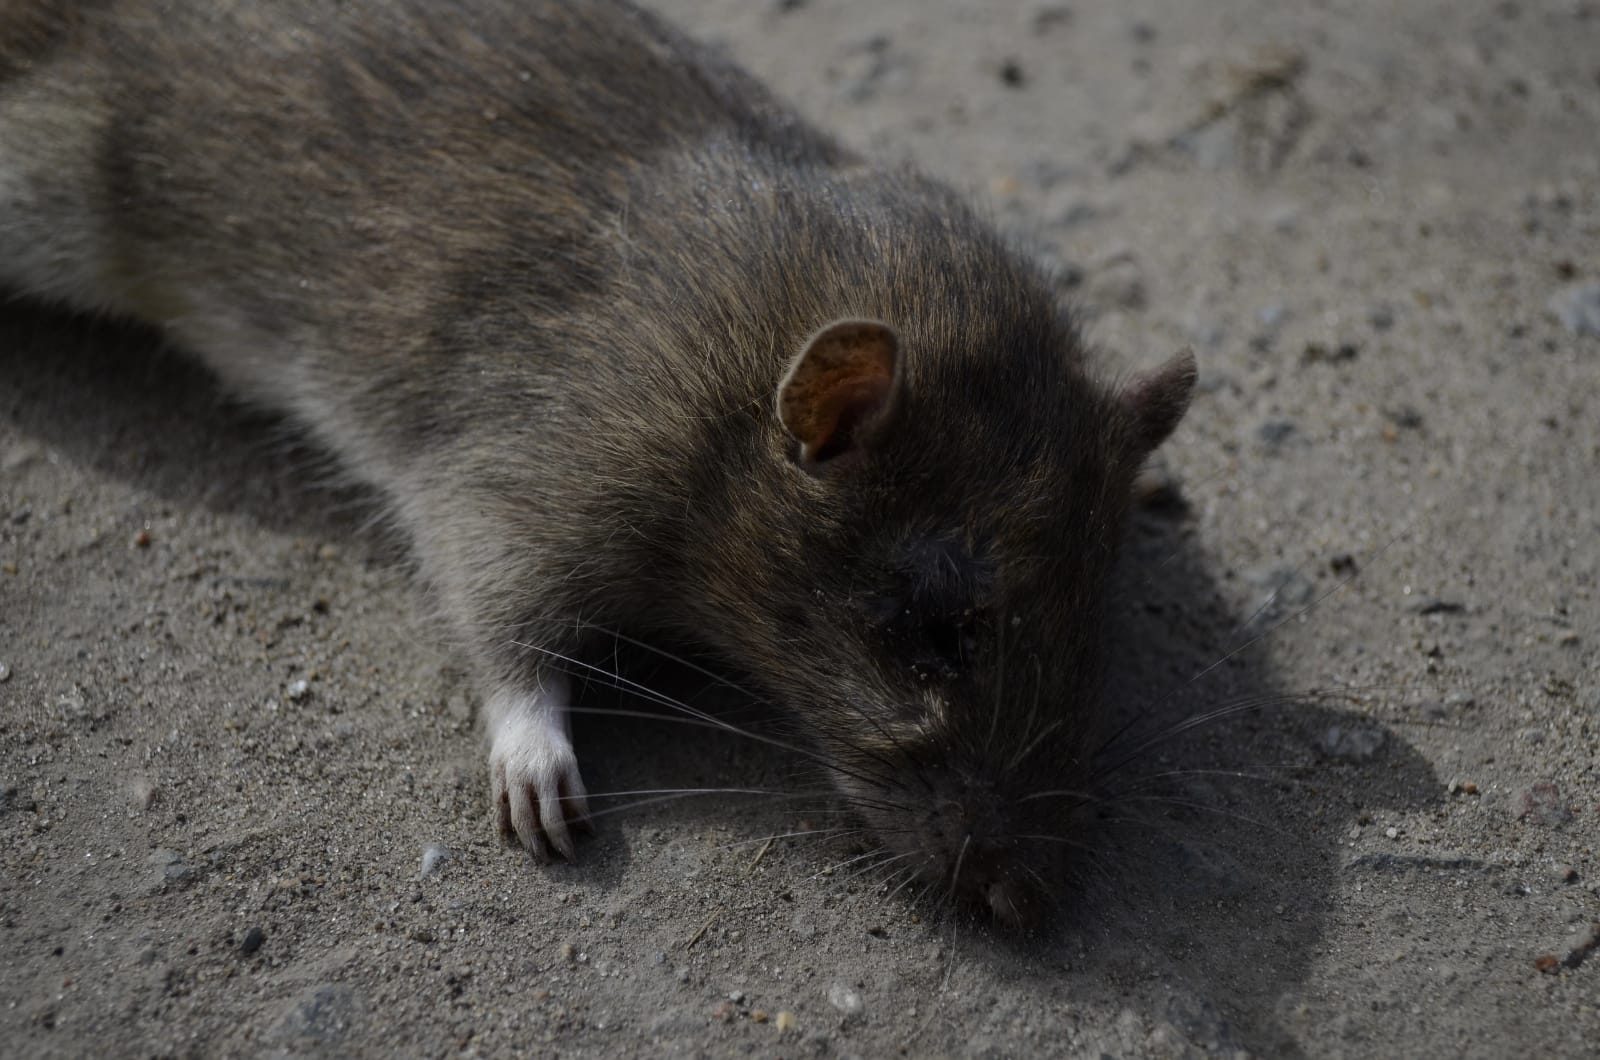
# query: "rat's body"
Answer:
x=536 y=272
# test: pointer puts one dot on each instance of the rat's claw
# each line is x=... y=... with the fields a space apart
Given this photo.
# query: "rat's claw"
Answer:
x=537 y=790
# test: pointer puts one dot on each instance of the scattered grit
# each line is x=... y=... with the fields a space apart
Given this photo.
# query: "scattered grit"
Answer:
x=241 y=794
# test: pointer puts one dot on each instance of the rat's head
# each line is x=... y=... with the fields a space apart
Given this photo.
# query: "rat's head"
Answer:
x=948 y=517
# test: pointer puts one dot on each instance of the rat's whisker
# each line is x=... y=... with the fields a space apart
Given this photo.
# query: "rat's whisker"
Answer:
x=809 y=833
x=913 y=874
x=674 y=796
x=877 y=865
x=1246 y=705
x=688 y=664
x=701 y=715
x=1317 y=602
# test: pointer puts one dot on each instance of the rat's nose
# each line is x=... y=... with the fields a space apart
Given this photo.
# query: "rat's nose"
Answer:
x=1009 y=903
x=994 y=875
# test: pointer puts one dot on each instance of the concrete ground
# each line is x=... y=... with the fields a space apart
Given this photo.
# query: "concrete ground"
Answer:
x=244 y=810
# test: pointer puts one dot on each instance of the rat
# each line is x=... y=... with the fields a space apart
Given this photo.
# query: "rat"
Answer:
x=623 y=343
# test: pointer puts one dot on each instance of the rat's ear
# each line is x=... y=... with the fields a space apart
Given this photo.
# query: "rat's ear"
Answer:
x=840 y=392
x=1157 y=399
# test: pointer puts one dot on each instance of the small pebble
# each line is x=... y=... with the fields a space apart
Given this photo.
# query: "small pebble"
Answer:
x=759 y=1015
x=1548 y=963
x=433 y=858
x=1578 y=308
x=20 y=456
x=1275 y=432
x=723 y=1012
x=786 y=1021
x=141 y=539
x=142 y=793
x=73 y=705
x=1352 y=744
x=1542 y=802
x=1588 y=942
x=1406 y=417
x=1285 y=586
x=5 y=672
x=298 y=690
x=252 y=941
x=842 y=997
x=321 y=1015
x=569 y=952
x=423 y=935
x=167 y=869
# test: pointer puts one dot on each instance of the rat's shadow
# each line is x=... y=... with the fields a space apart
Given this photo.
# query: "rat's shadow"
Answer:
x=112 y=397
x=1212 y=862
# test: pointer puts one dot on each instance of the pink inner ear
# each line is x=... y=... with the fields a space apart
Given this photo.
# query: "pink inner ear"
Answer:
x=840 y=390
x=854 y=406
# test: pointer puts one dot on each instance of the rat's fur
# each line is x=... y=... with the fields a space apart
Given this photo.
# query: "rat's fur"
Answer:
x=535 y=271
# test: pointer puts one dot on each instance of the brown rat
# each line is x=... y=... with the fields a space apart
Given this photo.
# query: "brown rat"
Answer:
x=627 y=345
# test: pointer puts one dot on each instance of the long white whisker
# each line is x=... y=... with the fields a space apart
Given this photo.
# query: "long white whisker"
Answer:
x=701 y=715
x=683 y=794
x=1258 y=638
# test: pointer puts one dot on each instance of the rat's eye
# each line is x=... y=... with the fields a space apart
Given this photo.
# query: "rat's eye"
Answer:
x=936 y=646
x=944 y=647
x=946 y=639
x=927 y=611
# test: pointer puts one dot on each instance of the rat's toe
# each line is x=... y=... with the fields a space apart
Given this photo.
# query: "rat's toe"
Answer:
x=537 y=790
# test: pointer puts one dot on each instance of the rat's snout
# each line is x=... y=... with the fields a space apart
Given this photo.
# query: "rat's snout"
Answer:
x=991 y=823
x=1010 y=876
x=990 y=856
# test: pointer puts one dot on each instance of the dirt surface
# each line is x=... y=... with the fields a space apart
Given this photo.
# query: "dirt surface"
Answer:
x=244 y=807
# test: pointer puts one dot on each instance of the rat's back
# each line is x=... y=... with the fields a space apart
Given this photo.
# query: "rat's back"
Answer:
x=273 y=175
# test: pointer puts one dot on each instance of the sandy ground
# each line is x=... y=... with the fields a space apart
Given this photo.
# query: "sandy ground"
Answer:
x=226 y=748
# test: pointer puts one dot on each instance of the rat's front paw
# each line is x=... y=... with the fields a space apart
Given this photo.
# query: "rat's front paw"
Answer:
x=538 y=794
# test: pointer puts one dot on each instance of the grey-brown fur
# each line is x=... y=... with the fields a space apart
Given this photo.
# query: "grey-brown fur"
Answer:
x=535 y=270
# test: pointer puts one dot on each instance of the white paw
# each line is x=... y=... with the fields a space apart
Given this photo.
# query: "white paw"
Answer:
x=538 y=794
